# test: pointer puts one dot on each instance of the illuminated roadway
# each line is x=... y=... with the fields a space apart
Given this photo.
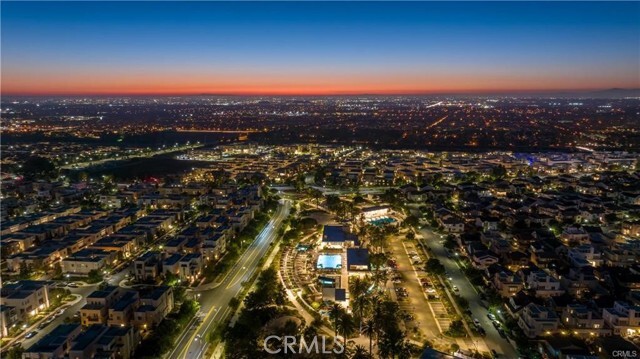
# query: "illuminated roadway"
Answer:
x=216 y=131
x=214 y=301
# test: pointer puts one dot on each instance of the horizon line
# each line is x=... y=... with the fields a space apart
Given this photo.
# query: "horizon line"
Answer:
x=322 y=94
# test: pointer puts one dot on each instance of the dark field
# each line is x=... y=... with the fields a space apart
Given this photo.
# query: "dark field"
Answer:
x=141 y=168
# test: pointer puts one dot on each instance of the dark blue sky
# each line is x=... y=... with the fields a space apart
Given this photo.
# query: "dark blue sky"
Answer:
x=331 y=47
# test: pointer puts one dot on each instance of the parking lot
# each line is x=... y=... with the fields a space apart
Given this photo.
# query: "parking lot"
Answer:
x=429 y=316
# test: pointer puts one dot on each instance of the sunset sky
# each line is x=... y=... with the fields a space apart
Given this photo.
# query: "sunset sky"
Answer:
x=317 y=48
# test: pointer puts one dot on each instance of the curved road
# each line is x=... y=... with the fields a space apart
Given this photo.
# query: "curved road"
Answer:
x=214 y=302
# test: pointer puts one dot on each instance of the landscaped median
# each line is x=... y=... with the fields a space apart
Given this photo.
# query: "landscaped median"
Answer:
x=216 y=335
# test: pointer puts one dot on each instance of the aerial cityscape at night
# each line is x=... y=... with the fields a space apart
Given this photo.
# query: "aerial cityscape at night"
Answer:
x=320 y=179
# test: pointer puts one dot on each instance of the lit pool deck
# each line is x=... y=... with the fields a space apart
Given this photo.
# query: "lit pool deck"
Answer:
x=329 y=261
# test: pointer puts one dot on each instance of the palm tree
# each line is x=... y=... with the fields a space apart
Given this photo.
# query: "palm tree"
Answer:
x=392 y=342
x=379 y=318
x=360 y=306
x=347 y=325
x=377 y=260
x=358 y=288
x=378 y=238
x=370 y=331
x=334 y=313
x=360 y=353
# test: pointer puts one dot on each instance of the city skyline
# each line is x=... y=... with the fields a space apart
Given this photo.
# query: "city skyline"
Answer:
x=170 y=48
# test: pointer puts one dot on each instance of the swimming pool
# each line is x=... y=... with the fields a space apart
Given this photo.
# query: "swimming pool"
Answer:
x=382 y=221
x=329 y=261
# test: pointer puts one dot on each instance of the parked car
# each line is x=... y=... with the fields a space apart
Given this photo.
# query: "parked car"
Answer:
x=476 y=322
x=497 y=325
x=31 y=334
x=491 y=317
x=455 y=288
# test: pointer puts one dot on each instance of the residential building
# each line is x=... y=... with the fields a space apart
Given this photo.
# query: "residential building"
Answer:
x=96 y=310
x=121 y=312
x=147 y=267
x=154 y=306
x=8 y=318
x=27 y=297
x=536 y=320
x=507 y=283
x=580 y=320
x=543 y=285
x=623 y=318
x=55 y=344
x=100 y=341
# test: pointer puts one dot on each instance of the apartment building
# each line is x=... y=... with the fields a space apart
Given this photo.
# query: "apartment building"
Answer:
x=507 y=283
x=583 y=321
x=537 y=320
x=27 y=297
x=54 y=345
x=543 y=285
x=96 y=310
x=100 y=341
x=147 y=267
x=623 y=318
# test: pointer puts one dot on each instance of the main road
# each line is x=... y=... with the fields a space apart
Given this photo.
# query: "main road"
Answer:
x=159 y=151
x=214 y=300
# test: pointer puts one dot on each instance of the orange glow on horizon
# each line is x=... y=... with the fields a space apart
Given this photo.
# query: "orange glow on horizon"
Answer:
x=304 y=84
x=293 y=92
